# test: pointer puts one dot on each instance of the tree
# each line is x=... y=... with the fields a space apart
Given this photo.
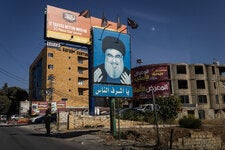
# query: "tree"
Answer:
x=4 y=90
x=4 y=104
x=16 y=94
x=169 y=107
x=10 y=99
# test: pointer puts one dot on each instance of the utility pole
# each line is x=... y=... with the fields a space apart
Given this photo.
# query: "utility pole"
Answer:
x=156 y=119
x=51 y=87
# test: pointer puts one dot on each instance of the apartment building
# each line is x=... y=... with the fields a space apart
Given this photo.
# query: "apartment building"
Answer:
x=201 y=87
x=60 y=73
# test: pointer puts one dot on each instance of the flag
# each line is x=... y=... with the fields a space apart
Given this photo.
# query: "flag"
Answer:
x=118 y=23
x=132 y=23
x=104 y=21
x=85 y=13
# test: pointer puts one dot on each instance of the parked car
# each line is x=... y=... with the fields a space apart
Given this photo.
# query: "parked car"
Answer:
x=3 y=118
x=147 y=107
x=41 y=118
x=14 y=117
x=37 y=119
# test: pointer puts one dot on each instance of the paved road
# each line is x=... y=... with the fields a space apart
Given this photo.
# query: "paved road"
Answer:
x=26 y=138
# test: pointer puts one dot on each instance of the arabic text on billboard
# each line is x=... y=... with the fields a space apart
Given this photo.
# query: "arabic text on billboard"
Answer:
x=144 y=90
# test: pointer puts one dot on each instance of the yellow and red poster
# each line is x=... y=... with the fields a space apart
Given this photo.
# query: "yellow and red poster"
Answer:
x=38 y=107
x=68 y=26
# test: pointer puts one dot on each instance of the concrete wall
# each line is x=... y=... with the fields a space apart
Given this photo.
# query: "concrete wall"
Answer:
x=200 y=141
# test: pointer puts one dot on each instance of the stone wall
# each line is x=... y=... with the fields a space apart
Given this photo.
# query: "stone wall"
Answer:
x=73 y=120
x=200 y=141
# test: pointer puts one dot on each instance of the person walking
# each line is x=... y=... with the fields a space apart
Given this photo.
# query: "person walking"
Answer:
x=48 y=120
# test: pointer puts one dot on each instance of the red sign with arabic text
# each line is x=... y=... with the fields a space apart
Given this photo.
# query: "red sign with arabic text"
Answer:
x=146 y=90
x=150 y=73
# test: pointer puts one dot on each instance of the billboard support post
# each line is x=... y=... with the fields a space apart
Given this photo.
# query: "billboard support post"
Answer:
x=92 y=105
x=112 y=117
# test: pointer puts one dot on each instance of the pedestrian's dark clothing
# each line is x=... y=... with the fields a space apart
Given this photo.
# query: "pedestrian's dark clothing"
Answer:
x=47 y=120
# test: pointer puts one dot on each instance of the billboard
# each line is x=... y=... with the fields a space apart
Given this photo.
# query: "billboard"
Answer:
x=24 y=107
x=68 y=26
x=38 y=107
x=111 y=61
x=150 y=73
x=145 y=90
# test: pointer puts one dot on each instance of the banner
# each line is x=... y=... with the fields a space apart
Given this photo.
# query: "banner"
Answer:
x=145 y=90
x=150 y=73
x=68 y=26
x=38 y=107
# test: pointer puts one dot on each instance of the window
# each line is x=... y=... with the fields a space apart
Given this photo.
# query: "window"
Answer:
x=214 y=84
x=50 y=66
x=80 y=82
x=200 y=84
x=182 y=84
x=191 y=112
x=223 y=96
x=80 y=61
x=217 y=99
x=222 y=71
x=64 y=99
x=80 y=70
x=184 y=99
x=181 y=69
x=202 y=99
x=51 y=77
x=213 y=70
x=201 y=114
x=198 y=69
x=50 y=54
x=80 y=92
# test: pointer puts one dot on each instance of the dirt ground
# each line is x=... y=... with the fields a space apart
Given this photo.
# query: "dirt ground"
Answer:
x=148 y=136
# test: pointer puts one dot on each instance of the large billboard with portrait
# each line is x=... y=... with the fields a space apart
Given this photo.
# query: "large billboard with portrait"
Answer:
x=111 y=60
x=68 y=26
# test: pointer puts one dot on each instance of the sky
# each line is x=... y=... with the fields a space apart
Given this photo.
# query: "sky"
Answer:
x=169 y=31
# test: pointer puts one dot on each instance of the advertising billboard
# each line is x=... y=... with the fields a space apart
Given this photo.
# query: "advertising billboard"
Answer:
x=38 y=107
x=145 y=90
x=150 y=73
x=68 y=26
x=111 y=61
x=24 y=107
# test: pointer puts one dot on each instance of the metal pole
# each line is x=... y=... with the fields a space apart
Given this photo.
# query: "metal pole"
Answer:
x=156 y=121
x=118 y=104
x=112 y=117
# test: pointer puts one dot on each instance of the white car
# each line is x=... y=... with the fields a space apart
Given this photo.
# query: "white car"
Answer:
x=14 y=117
x=147 y=108
x=37 y=119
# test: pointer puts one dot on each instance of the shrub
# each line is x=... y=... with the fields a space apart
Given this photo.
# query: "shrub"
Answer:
x=190 y=122
x=133 y=115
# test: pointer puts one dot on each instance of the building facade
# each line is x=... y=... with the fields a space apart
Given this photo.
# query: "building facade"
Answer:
x=201 y=87
x=60 y=73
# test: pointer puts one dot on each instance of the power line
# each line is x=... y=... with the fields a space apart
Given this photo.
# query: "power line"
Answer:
x=12 y=57
x=10 y=75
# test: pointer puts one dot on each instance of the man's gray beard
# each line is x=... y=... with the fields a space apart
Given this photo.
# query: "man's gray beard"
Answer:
x=114 y=72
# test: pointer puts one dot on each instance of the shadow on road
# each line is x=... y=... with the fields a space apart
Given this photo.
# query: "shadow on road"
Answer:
x=66 y=135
